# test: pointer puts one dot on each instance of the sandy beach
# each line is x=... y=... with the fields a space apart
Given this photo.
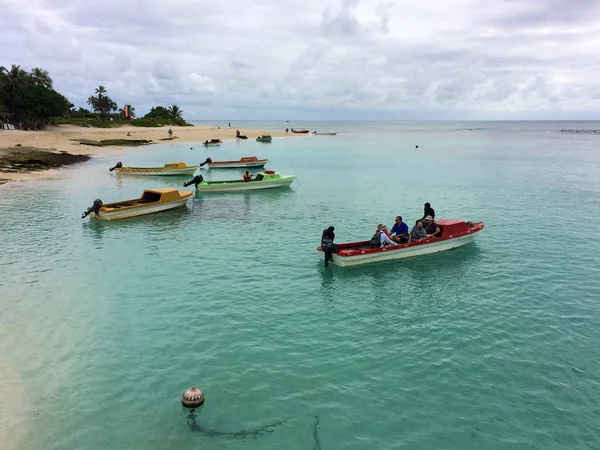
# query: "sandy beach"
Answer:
x=63 y=139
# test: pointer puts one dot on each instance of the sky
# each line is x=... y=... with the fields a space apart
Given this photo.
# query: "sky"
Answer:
x=318 y=59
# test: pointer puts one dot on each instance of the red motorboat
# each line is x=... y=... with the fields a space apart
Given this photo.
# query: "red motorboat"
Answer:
x=454 y=233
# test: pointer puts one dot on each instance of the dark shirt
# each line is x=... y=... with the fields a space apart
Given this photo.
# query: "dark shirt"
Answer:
x=402 y=229
x=327 y=234
x=431 y=227
x=429 y=212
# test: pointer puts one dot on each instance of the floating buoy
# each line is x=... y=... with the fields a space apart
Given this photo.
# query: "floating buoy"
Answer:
x=193 y=398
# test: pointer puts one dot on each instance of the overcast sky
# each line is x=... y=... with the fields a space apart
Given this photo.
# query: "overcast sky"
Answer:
x=318 y=59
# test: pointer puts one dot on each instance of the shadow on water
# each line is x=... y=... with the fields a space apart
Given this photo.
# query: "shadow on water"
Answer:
x=236 y=205
x=255 y=433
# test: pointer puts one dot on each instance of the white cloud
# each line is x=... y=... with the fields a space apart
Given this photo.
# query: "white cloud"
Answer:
x=319 y=59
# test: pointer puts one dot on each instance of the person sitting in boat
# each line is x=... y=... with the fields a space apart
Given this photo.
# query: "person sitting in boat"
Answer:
x=432 y=228
x=418 y=233
x=327 y=244
x=247 y=176
x=381 y=238
x=400 y=231
x=237 y=133
x=427 y=211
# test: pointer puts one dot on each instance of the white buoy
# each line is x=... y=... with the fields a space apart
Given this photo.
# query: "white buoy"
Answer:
x=193 y=398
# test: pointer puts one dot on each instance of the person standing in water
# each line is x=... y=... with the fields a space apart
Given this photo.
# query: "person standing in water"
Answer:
x=327 y=244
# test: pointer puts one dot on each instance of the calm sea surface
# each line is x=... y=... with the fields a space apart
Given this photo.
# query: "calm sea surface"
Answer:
x=495 y=345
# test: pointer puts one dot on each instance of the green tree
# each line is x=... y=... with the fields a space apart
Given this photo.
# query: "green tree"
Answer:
x=176 y=112
x=41 y=77
x=131 y=111
x=101 y=102
x=12 y=83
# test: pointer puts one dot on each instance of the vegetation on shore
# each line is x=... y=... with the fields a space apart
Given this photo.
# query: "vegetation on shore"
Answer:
x=29 y=101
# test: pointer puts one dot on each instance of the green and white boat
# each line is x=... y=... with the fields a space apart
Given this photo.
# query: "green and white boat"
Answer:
x=264 y=180
x=264 y=138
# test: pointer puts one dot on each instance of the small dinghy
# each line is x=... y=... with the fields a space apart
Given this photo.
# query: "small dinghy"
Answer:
x=212 y=143
x=454 y=233
x=240 y=136
x=300 y=131
x=265 y=138
x=169 y=169
x=324 y=133
x=247 y=162
x=265 y=180
x=151 y=201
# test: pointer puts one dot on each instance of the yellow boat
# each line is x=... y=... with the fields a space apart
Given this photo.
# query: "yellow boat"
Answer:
x=151 y=201
x=169 y=169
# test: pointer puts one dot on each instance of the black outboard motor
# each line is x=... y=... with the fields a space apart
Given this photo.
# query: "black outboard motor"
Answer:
x=208 y=161
x=94 y=208
x=117 y=166
x=195 y=181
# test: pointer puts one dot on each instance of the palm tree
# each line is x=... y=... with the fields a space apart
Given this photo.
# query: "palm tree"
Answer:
x=100 y=90
x=12 y=79
x=175 y=111
x=131 y=111
x=40 y=77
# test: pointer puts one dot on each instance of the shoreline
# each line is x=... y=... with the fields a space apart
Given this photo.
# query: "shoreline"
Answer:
x=64 y=138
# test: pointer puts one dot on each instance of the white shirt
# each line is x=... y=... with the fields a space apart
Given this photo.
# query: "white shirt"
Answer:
x=384 y=239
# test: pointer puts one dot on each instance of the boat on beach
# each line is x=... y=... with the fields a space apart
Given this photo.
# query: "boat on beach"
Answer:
x=212 y=143
x=266 y=180
x=247 y=162
x=454 y=233
x=265 y=138
x=299 y=131
x=169 y=169
x=324 y=133
x=151 y=201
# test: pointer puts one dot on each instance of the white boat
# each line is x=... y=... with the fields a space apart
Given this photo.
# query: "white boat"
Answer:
x=324 y=133
x=265 y=180
x=169 y=169
x=454 y=233
x=247 y=162
x=212 y=143
x=151 y=201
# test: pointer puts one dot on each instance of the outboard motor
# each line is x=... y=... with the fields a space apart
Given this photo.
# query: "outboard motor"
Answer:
x=208 y=161
x=117 y=166
x=195 y=181
x=94 y=208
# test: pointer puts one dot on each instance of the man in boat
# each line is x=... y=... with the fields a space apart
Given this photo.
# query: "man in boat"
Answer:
x=400 y=231
x=427 y=211
x=247 y=177
x=418 y=233
x=432 y=228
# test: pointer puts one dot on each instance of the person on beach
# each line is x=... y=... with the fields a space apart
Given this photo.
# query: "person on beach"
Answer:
x=418 y=233
x=427 y=211
x=400 y=231
x=287 y=130
x=247 y=177
x=327 y=245
x=229 y=124
x=431 y=227
x=170 y=132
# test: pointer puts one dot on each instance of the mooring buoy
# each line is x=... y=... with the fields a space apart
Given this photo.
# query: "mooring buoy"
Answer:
x=192 y=398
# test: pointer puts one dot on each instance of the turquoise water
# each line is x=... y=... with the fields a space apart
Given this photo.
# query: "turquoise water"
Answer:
x=493 y=345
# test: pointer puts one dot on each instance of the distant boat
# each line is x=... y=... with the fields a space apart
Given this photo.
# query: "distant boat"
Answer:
x=264 y=138
x=212 y=143
x=265 y=180
x=324 y=133
x=151 y=201
x=300 y=131
x=243 y=163
x=455 y=233
x=169 y=169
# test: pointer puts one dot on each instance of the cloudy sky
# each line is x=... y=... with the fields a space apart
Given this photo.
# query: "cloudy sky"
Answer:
x=318 y=59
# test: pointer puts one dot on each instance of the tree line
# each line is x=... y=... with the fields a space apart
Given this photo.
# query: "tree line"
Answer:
x=29 y=98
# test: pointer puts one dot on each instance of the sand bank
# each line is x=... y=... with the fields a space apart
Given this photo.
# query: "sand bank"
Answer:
x=65 y=138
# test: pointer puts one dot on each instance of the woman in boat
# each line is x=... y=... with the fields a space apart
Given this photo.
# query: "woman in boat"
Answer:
x=327 y=245
x=247 y=177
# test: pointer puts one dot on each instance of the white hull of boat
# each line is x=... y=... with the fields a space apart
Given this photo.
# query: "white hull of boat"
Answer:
x=387 y=255
x=238 y=165
x=250 y=186
x=158 y=172
x=325 y=134
x=216 y=144
x=113 y=215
